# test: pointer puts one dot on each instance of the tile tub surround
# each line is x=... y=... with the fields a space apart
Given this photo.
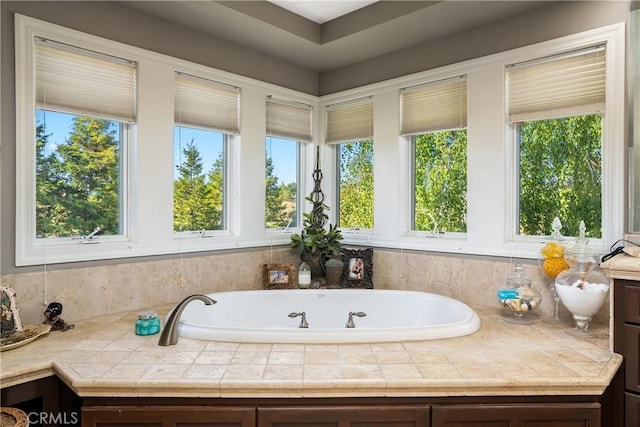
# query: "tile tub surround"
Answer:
x=89 y=291
x=103 y=357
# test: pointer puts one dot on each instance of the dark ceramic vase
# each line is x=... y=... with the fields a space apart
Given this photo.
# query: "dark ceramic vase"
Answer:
x=334 y=267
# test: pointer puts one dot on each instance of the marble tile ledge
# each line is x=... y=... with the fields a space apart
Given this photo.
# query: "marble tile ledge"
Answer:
x=103 y=357
x=622 y=266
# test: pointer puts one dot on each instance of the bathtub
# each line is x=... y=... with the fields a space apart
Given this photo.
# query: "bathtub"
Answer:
x=391 y=316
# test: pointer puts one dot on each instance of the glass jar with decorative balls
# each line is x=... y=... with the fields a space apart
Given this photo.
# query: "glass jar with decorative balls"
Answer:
x=518 y=297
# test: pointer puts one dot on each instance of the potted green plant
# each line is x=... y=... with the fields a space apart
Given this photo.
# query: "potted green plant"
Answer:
x=316 y=242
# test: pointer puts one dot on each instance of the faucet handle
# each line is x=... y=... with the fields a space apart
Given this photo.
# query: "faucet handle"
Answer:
x=350 y=323
x=303 y=321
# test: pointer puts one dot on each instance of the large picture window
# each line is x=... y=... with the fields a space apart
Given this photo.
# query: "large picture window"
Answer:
x=556 y=108
x=206 y=114
x=85 y=104
x=288 y=128
x=350 y=130
x=434 y=115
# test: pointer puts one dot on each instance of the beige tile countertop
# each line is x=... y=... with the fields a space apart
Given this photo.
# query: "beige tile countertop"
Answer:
x=103 y=357
x=622 y=266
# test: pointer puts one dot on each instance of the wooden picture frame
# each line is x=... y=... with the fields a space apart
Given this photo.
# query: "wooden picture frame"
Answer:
x=358 y=268
x=279 y=276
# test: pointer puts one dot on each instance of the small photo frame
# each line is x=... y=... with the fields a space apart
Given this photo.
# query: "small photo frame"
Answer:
x=358 y=268
x=279 y=276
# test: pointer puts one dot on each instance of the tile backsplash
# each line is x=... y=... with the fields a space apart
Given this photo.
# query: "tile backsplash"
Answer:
x=91 y=291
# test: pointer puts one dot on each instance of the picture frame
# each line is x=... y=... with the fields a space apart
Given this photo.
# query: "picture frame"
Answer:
x=279 y=276
x=358 y=268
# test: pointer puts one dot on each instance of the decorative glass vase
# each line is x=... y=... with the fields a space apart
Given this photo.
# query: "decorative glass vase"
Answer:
x=518 y=298
x=583 y=288
x=552 y=262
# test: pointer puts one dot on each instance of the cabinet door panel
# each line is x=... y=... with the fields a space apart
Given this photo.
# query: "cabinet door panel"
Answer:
x=631 y=356
x=344 y=416
x=168 y=417
x=632 y=410
x=516 y=415
x=632 y=304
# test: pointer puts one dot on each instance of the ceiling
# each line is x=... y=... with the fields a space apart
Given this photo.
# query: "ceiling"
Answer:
x=321 y=11
x=354 y=35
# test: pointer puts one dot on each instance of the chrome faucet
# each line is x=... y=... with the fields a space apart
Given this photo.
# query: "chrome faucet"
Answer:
x=169 y=334
x=350 y=323
x=303 y=321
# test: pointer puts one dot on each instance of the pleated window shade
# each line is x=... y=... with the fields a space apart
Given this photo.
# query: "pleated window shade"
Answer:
x=561 y=86
x=289 y=120
x=350 y=121
x=206 y=104
x=83 y=82
x=434 y=107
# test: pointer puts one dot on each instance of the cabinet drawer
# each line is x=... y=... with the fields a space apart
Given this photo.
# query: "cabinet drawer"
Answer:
x=632 y=410
x=631 y=357
x=632 y=304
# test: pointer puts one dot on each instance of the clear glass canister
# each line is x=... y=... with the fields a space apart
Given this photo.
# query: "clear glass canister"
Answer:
x=518 y=297
x=147 y=323
x=304 y=276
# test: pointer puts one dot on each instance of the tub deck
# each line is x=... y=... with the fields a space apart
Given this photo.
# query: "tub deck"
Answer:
x=103 y=357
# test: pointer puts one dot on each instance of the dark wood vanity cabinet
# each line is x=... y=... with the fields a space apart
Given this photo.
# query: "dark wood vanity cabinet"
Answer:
x=168 y=416
x=347 y=412
x=526 y=415
x=345 y=416
x=626 y=341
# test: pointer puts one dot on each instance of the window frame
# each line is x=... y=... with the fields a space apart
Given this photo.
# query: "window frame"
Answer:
x=150 y=164
x=491 y=189
x=491 y=177
x=29 y=248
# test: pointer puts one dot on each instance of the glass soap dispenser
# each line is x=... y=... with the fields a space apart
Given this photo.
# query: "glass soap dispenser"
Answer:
x=519 y=298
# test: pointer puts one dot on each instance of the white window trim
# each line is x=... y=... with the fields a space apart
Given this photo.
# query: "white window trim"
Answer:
x=150 y=225
x=491 y=211
x=150 y=230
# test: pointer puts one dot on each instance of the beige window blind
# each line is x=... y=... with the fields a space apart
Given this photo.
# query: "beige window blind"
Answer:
x=350 y=121
x=434 y=106
x=289 y=120
x=206 y=104
x=78 y=81
x=560 y=86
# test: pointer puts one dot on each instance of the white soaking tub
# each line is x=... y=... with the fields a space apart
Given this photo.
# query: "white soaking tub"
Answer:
x=263 y=316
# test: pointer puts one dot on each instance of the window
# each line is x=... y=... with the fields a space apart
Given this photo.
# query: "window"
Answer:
x=206 y=114
x=435 y=117
x=556 y=108
x=85 y=104
x=288 y=125
x=199 y=179
x=350 y=130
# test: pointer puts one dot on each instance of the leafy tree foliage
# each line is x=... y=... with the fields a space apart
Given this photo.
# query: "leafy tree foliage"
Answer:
x=197 y=197
x=561 y=175
x=356 y=184
x=276 y=213
x=440 y=181
x=78 y=187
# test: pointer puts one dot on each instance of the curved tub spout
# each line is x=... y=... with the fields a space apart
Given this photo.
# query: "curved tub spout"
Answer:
x=169 y=334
